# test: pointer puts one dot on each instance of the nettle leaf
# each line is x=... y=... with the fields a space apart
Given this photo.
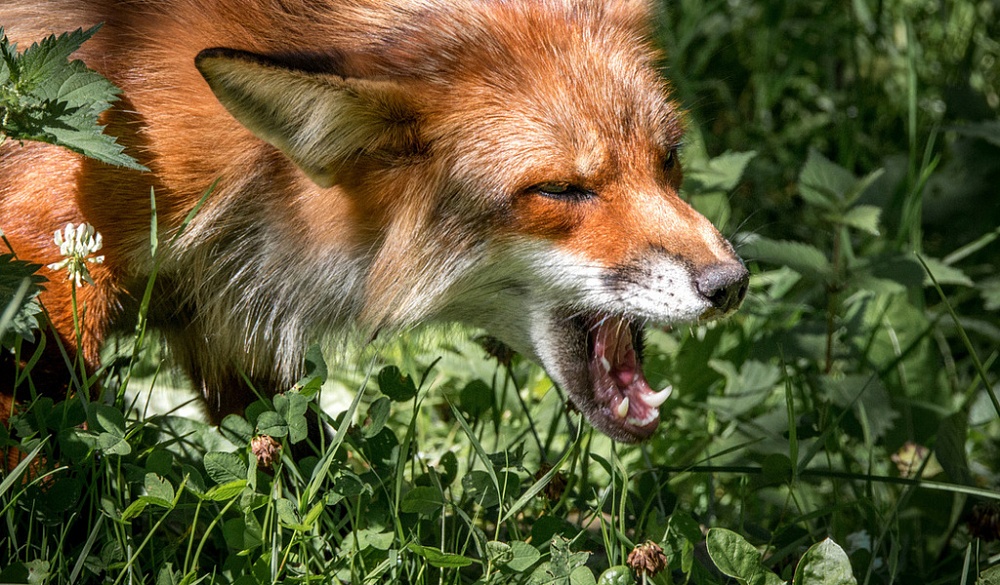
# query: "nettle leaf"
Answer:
x=825 y=563
x=824 y=183
x=802 y=258
x=721 y=173
x=19 y=287
x=945 y=274
x=862 y=217
x=989 y=289
x=47 y=97
x=737 y=558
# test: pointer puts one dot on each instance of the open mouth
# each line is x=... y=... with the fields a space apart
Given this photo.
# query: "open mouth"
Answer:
x=602 y=372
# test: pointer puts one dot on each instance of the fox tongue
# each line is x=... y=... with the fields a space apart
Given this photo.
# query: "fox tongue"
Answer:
x=617 y=375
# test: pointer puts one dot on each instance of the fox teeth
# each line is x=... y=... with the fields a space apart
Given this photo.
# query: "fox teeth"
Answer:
x=622 y=410
x=606 y=364
x=656 y=399
x=651 y=416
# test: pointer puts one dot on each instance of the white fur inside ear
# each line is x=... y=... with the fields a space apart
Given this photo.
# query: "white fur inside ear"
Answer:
x=320 y=121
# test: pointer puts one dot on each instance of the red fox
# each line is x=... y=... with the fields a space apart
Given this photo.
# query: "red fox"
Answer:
x=507 y=164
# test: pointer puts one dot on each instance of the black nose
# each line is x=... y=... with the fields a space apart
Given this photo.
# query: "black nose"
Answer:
x=724 y=285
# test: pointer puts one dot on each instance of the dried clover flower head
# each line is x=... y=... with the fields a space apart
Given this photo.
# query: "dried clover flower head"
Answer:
x=647 y=559
x=266 y=450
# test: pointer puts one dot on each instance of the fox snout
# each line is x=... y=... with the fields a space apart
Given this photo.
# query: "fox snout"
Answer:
x=724 y=285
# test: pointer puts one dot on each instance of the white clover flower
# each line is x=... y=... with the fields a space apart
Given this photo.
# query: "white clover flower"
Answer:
x=77 y=244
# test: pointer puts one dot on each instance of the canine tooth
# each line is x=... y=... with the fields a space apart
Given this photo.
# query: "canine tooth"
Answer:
x=623 y=408
x=606 y=364
x=656 y=399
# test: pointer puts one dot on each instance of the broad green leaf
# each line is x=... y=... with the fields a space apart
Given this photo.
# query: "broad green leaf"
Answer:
x=289 y=515
x=617 y=575
x=721 y=173
x=134 y=509
x=524 y=556
x=499 y=553
x=225 y=467
x=862 y=217
x=825 y=563
x=437 y=558
x=225 y=491
x=425 y=500
x=159 y=488
x=737 y=558
x=237 y=430
x=112 y=444
x=272 y=424
x=316 y=373
x=52 y=99
x=378 y=415
x=19 y=285
x=802 y=258
x=395 y=385
x=990 y=576
x=824 y=183
x=109 y=419
x=582 y=576
x=945 y=274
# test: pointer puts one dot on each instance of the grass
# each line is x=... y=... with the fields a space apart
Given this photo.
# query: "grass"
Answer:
x=853 y=398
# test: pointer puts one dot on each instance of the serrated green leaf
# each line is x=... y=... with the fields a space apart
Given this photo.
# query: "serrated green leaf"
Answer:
x=862 y=217
x=55 y=100
x=737 y=558
x=823 y=183
x=825 y=563
x=945 y=274
x=19 y=287
x=721 y=173
x=803 y=258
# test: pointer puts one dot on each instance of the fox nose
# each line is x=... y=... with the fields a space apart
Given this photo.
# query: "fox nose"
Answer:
x=724 y=285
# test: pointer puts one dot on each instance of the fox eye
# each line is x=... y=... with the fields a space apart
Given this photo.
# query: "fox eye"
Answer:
x=671 y=159
x=563 y=191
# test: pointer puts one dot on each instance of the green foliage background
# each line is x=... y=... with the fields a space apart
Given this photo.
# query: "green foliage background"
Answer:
x=842 y=428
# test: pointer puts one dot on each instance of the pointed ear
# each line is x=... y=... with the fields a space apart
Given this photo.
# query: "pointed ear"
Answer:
x=324 y=123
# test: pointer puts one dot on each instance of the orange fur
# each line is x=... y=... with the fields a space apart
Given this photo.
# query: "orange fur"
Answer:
x=382 y=163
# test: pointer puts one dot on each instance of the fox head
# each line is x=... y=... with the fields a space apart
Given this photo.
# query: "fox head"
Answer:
x=516 y=168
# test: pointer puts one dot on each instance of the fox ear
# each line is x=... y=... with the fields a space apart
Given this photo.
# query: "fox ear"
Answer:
x=324 y=123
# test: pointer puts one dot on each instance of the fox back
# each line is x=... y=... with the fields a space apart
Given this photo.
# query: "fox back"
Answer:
x=380 y=163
